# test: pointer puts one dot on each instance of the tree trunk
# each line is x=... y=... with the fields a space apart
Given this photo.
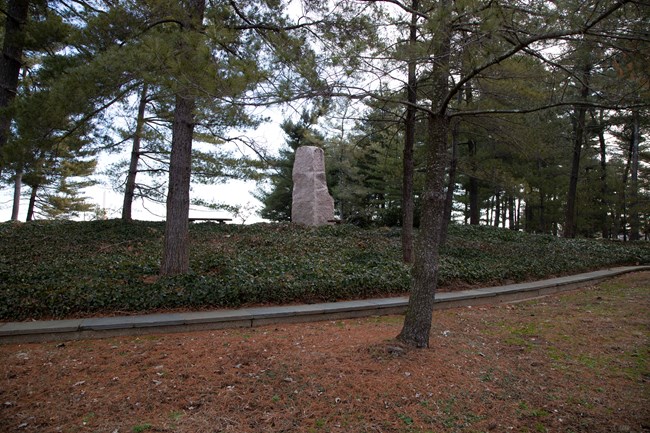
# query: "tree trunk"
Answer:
x=474 y=209
x=528 y=216
x=466 y=209
x=542 y=212
x=497 y=208
x=634 y=179
x=32 y=203
x=578 y=139
x=18 y=183
x=604 y=225
x=129 y=190
x=417 y=322
x=176 y=257
x=10 y=64
x=451 y=184
x=176 y=245
x=409 y=144
x=489 y=211
x=621 y=215
x=511 y=213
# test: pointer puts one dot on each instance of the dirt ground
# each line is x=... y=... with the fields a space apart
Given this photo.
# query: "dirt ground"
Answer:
x=577 y=362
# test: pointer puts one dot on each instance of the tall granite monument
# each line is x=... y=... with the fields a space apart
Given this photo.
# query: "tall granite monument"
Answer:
x=311 y=202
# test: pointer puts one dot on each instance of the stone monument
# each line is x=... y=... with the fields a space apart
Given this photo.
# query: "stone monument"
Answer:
x=311 y=202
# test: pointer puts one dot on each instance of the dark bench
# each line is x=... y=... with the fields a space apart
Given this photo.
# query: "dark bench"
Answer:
x=219 y=220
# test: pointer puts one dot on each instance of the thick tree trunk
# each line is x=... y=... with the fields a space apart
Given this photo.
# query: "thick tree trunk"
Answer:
x=129 y=190
x=571 y=211
x=417 y=322
x=409 y=144
x=176 y=245
x=18 y=183
x=578 y=139
x=176 y=257
x=10 y=64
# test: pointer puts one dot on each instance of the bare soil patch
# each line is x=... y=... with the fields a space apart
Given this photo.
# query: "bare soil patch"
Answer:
x=577 y=362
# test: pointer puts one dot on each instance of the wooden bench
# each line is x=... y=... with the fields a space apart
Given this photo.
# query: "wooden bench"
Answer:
x=219 y=220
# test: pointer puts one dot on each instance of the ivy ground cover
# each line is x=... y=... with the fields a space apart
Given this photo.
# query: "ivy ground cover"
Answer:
x=61 y=269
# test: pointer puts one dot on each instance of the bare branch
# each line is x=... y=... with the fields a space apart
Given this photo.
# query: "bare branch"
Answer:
x=549 y=106
x=264 y=26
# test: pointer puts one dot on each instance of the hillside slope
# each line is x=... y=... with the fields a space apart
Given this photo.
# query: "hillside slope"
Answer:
x=70 y=269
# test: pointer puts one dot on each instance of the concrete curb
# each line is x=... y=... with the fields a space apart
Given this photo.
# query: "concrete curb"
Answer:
x=102 y=327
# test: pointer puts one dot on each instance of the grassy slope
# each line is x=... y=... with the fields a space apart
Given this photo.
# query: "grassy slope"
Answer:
x=62 y=269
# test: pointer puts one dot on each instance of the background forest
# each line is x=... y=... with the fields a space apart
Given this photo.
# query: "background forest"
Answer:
x=550 y=139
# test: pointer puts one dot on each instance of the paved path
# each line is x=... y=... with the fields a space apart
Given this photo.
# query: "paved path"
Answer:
x=56 y=330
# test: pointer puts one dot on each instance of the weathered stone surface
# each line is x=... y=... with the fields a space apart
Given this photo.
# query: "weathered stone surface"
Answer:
x=312 y=204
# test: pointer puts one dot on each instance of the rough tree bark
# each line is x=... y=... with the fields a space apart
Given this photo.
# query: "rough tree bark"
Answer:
x=417 y=322
x=176 y=250
x=176 y=258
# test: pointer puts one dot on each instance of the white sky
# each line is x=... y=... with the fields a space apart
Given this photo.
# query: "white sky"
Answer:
x=233 y=192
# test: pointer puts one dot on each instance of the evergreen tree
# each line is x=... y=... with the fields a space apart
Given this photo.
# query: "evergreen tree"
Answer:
x=48 y=121
x=501 y=32
x=13 y=42
x=218 y=68
x=277 y=201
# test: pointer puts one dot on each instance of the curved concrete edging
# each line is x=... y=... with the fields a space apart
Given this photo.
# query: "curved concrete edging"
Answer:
x=58 y=330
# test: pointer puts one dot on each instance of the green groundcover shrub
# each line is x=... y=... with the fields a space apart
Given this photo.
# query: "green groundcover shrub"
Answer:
x=55 y=269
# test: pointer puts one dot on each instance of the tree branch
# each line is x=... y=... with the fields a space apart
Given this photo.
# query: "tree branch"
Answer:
x=549 y=106
x=263 y=26
x=525 y=44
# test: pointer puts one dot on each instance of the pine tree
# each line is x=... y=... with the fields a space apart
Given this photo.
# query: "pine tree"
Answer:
x=277 y=201
x=11 y=61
